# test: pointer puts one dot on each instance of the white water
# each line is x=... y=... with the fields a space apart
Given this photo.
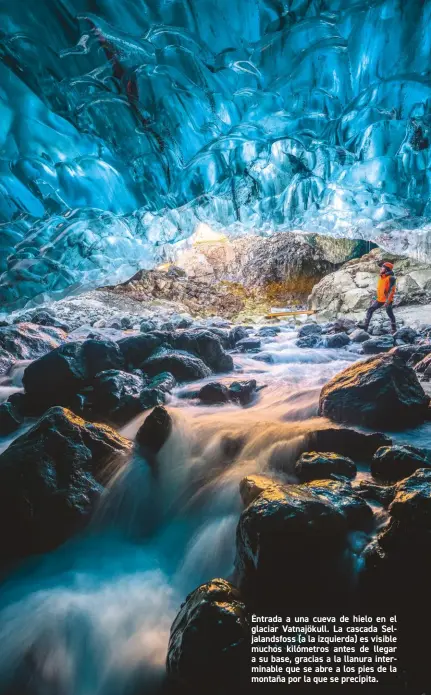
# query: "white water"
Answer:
x=93 y=618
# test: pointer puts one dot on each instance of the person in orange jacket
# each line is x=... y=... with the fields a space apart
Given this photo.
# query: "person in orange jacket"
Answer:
x=386 y=287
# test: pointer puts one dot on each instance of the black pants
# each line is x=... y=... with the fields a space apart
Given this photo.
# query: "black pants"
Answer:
x=389 y=310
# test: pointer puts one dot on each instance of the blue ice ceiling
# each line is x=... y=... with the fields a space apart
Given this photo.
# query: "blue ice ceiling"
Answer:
x=124 y=123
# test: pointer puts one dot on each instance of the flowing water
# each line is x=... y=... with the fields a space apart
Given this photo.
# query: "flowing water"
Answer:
x=93 y=617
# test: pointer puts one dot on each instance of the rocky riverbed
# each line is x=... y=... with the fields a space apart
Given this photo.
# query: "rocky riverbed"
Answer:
x=163 y=476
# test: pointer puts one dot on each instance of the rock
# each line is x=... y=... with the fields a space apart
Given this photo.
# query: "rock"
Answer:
x=346 y=442
x=206 y=346
x=180 y=364
x=406 y=335
x=424 y=366
x=317 y=466
x=165 y=382
x=56 y=377
x=309 y=329
x=10 y=419
x=223 y=335
x=357 y=512
x=45 y=318
x=26 y=341
x=383 y=494
x=237 y=333
x=309 y=341
x=359 y=336
x=116 y=395
x=147 y=326
x=411 y=504
x=337 y=340
x=214 y=393
x=392 y=463
x=374 y=346
x=269 y=331
x=289 y=527
x=209 y=642
x=248 y=344
x=381 y=392
x=411 y=353
x=155 y=430
x=242 y=391
x=51 y=480
x=138 y=348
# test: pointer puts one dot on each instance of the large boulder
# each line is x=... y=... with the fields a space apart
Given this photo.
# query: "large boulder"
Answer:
x=392 y=463
x=156 y=391
x=138 y=348
x=182 y=365
x=337 y=340
x=115 y=395
x=314 y=465
x=289 y=543
x=205 y=345
x=51 y=479
x=209 y=641
x=27 y=341
x=345 y=441
x=347 y=501
x=359 y=336
x=309 y=329
x=381 y=392
x=374 y=346
x=56 y=377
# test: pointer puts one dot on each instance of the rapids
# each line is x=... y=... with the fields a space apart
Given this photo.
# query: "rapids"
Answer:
x=93 y=617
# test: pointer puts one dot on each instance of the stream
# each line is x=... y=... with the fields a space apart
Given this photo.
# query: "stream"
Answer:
x=93 y=617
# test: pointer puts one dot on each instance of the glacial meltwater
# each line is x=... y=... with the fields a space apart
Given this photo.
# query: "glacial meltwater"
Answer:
x=93 y=617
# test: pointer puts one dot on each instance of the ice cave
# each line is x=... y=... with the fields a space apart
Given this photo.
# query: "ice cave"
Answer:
x=124 y=124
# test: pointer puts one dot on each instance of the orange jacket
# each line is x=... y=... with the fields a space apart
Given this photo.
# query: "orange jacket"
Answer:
x=386 y=288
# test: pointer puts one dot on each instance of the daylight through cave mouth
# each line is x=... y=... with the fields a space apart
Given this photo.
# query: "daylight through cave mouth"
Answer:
x=124 y=125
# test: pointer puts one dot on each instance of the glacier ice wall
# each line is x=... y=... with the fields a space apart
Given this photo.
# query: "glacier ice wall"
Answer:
x=124 y=123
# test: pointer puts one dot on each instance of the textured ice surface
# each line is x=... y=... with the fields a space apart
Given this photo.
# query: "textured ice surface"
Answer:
x=123 y=123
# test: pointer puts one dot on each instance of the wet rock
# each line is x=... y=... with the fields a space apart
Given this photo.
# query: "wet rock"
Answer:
x=206 y=346
x=56 y=377
x=375 y=346
x=381 y=392
x=248 y=344
x=405 y=335
x=155 y=430
x=10 y=419
x=309 y=329
x=359 y=336
x=383 y=494
x=289 y=527
x=147 y=325
x=346 y=442
x=237 y=333
x=412 y=500
x=269 y=331
x=251 y=487
x=116 y=395
x=319 y=465
x=138 y=348
x=342 y=325
x=214 y=393
x=183 y=366
x=223 y=335
x=341 y=495
x=242 y=391
x=337 y=340
x=27 y=341
x=51 y=480
x=165 y=382
x=392 y=463
x=209 y=641
x=309 y=341
x=411 y=353
x=424 y=366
